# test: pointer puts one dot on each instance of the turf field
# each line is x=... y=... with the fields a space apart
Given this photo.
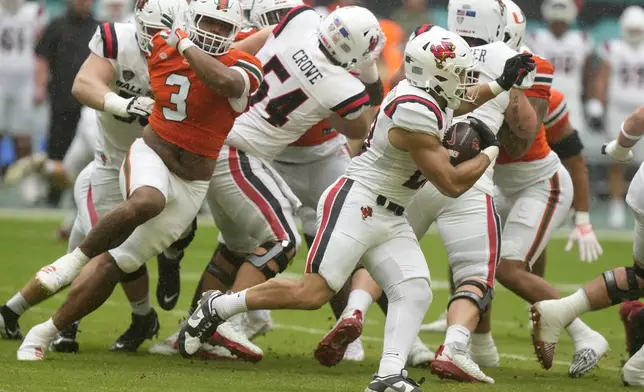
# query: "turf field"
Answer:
x=288 y=365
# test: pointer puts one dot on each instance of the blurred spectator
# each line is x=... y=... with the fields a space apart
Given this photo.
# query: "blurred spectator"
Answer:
x=412 y=14
x=116 y=11
x=61 y=51
x=20 y=25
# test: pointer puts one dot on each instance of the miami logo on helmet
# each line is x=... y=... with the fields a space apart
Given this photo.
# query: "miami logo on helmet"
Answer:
x=140 y=4
x=443 y=52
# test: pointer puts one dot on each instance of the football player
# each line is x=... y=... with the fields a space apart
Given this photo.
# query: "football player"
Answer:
x=200 y=85
x=613 y=287
x=361 y=215
x=620 y=87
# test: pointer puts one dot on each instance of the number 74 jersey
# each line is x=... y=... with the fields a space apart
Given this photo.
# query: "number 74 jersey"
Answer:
x=383 y=168
x=301 y=87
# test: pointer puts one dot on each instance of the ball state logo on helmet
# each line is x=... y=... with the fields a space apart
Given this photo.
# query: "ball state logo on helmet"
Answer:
x=140 y=4
x=443 y=52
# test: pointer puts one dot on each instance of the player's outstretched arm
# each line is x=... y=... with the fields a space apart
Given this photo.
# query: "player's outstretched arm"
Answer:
x=92 y=80
x=433 y=161
x=632 y=131
x=254 y=43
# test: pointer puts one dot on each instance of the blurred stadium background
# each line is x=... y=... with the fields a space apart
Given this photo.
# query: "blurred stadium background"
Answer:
x=599 y=18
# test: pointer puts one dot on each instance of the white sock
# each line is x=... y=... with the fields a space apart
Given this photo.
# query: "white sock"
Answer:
x=578 y=330
x=360 y=300
x=577 y=302
x=141 y=307
x=230 y=304
x=18 y=304
x=482 y=339
x=47 y=329
x=457 y=334
x=76 y=259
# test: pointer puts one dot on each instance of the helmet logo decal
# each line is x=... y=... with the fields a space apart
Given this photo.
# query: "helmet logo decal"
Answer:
x=373 y=43
x=518 y=17
x=223 y=4
x=443 y=52
x=338 y=23
x=140 y=4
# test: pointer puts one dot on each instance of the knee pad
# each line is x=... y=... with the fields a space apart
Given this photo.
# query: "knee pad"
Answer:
x=483 y=302
x=135 y=275
x=634 y=291
x=227 y=278
x=183 y=242
x=278 y=251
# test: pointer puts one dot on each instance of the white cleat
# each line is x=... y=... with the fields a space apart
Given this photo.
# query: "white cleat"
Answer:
x=633 y=371
x=440 y=325
x=24 y=166
x=232 y=337
x=257 y=323
x=617 y=214
x=546 y=330
x=453 y=363
x=170 y=346
x=588 y=353
x=420 y=355
x=34 y=345
x=483 y=351
x=355 y=351
x=394 y=383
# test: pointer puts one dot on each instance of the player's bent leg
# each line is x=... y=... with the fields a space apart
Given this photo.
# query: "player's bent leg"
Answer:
x=633 y=371
x=168 y=262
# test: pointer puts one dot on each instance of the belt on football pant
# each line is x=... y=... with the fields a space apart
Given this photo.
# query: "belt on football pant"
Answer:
x=390 y=205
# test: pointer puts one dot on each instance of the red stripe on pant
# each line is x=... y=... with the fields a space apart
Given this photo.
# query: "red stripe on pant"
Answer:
x=326 y=212
x=492 y=235
x=247 y=188
x=91 y=209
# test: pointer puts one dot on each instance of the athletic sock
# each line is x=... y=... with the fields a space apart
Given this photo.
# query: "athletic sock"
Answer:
x=230 y=304
x=18 y=304
x=360 y=300
x=141 y=307
x=457 y=334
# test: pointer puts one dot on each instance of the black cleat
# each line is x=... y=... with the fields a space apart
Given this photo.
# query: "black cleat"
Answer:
x=66 y=340
x=141 y=328
x=169 y=285
x=395 y=382
x=200 y=326
x=9 y=327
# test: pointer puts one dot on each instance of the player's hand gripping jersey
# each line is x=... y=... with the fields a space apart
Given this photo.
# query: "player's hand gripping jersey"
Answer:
x=384 y=169
x=301 y=87
x=186 y=112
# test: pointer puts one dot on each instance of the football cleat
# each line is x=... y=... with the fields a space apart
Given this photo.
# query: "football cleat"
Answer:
x=230 y=335
x=9 y=327
x=633 y=371
x=66 y=340
x=257 y=323
x=420 y=355
x=141 y=328
x=355 y=351
x=34 y=345
x=546 y=330
x=453 y=363
x=332 y=347
x=394 y=383
x=440 y=325
x=587 y=354
x=632 y=315
x=483 y=351
x=200 y=326
x=24 y=166
x=170 y=346
x=169 y=285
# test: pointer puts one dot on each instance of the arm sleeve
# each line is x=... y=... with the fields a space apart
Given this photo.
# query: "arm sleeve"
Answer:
x=557 y=115
x=542 y=80
x=415 y=114
x=104 y=42
x=253 y=67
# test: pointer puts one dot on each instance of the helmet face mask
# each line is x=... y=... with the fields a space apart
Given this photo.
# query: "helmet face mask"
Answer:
x=214 y=24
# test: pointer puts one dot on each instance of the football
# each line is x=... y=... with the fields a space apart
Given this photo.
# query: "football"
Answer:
x=462 y=142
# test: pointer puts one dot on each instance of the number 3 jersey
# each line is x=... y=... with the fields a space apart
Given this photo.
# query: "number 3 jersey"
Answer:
x=383 y=168
x=301 y=87
x=117 y=43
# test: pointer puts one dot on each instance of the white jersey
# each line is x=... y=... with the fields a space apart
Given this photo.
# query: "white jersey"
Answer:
x=491 y=61
x=18 y=32
x=568 y=55
x=384 y=169
x=117 y=43
x=301 y=87
x=626 y=86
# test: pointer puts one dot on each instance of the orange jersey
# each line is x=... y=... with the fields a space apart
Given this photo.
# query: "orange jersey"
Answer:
x=186 y=112
x=318 y=134
x=245 y=33
x=557 y=117
x=541 y=88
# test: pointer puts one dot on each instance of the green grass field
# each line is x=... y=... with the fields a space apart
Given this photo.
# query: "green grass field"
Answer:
x=288 y=364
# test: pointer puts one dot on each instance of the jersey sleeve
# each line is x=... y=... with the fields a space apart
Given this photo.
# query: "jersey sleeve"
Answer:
x=542 y=80
x=245 y=33
x=303 y=17
x=415 y=114
x=253 y=67
x=105 y=43
x=557 y=116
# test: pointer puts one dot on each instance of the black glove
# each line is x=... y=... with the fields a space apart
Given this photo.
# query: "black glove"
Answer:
x=488 y=138
x=515 y=70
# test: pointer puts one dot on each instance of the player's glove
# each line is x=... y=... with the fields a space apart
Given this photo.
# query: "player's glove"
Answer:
x=515 y=70
x=617 y=151
x=488 y=138
x=595 y=113
x=140 y=106
x=127 y=107
x=584 y=236
x=178 y=36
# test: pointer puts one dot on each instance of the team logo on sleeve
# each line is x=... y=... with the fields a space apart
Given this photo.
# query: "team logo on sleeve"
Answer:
x=367 y=212
x=443 y=52
x=140 y=4
x=128 y=75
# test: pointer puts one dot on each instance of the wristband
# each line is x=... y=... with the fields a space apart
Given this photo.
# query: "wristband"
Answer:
x=492 y=152
x=582 y=218
x=184 y=44
x=621 y=151
x=495 y=88
x=115 y=105
x=629 y=136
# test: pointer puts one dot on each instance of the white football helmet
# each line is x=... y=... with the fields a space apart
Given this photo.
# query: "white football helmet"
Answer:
x=147 y=18
x=269 y=12
x=114 y=10
x=559 y=11
x=351 y=36
x=440 y=61
x=515 y=25
x=482 y=19
x=246 y=6
x=225 y=15
x=632 y=25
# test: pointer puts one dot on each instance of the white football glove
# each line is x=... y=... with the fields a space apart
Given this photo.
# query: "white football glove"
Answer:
x=126 y=107
x=140 y=106
x=584 y=236
x=617 y=151
x=178 y=36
